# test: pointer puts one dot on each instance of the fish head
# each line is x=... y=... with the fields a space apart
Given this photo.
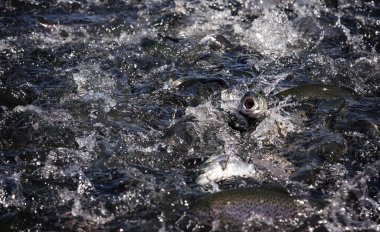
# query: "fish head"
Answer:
x=253 y=105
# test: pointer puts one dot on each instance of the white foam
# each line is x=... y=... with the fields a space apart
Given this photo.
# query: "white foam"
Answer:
x=64 y=162
x=91 y=77
x=272 y=34
x=93 y=85
x=205 y=23
x=87 y=142
x=12 y=198
x=77 y=210
x=277 y=125
x=340 y=211
x=309 y=7
x=48 y=117
x=222 y=167
x=204 y=113
x=230 y=98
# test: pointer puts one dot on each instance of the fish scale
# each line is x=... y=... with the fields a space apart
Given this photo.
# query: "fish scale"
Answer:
x=240 y=205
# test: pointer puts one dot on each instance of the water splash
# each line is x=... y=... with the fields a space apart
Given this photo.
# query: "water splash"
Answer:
x=272 y=35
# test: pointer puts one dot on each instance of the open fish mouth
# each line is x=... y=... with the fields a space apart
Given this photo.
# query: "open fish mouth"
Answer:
x=253 y=105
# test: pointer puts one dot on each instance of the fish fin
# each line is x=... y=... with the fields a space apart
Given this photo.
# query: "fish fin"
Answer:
x=274 y=187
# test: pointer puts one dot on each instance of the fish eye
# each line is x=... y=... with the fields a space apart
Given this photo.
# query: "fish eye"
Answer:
x=249 y=103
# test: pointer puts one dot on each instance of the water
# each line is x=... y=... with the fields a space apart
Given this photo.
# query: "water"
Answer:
x=110 y=109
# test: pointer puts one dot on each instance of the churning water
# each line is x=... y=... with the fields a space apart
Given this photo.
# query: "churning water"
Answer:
x=115 y=113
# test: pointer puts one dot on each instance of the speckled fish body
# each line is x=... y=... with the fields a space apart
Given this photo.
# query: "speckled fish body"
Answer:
x=239 y=205
x=318 y=91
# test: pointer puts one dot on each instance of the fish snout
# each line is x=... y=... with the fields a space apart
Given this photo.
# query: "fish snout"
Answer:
x=253 y=106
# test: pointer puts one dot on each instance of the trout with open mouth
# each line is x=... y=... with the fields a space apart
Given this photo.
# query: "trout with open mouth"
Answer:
x=253 y=106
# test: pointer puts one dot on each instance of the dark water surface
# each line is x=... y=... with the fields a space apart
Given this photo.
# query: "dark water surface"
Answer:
x=110 y=107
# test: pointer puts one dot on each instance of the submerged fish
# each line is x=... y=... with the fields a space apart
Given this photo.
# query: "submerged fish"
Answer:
x=318 y=91
x=268 y=205
x=189 y=81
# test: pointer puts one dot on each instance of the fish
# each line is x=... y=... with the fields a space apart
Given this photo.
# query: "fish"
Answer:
x=255 y=105
x=189 y=81
x=221 y=167
x=319 y=91
x=220 y=42
x=266 y=204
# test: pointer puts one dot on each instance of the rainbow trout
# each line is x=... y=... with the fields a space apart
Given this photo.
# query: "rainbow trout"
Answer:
x=318 y=91
x=255 y=105
x=265 y=205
